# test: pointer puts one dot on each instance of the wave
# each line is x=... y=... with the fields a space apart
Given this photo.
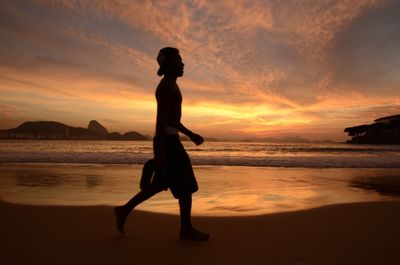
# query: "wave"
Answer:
x=288 y=149
x=320 y=161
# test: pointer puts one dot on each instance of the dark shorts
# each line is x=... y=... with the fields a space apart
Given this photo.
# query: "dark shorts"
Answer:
x=177 y=172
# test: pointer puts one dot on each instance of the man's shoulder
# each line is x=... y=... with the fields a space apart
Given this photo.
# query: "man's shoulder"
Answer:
x=165 y=87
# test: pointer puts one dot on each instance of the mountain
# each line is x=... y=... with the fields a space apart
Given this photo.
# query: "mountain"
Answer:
x=57 y=130
x=97 y=128
x=40 y=126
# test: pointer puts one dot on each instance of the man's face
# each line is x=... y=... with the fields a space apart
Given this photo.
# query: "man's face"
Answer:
x=176 y=66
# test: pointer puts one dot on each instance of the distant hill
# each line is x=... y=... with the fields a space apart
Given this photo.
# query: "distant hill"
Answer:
x=57 y=130
x=134 y=136
x=287 y=139
x=385 y=130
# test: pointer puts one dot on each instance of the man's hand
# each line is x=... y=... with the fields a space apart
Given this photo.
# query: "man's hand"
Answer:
x=197 y=139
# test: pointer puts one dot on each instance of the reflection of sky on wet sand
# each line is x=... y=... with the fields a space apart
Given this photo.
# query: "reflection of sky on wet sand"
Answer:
x=223 y=190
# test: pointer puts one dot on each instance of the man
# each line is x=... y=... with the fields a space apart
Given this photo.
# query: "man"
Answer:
x=173 y=168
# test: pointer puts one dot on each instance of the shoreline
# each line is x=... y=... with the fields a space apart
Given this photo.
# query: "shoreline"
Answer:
x=354 y=233
x=141 y=163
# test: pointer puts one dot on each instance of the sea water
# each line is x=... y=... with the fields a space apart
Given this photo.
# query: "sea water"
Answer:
x=305 y=155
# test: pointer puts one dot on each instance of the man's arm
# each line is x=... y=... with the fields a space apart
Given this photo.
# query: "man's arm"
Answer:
x=185 y=130
x=197 y=139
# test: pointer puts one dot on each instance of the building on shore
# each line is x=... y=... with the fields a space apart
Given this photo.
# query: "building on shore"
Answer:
x=385 y=130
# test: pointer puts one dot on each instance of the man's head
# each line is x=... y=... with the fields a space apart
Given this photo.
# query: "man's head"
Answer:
x=170 y=62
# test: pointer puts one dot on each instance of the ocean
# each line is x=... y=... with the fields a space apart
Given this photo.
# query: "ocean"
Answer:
x=304 y=155
x=235 y=178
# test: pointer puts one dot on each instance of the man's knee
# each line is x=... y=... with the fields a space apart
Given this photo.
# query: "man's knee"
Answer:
x=185 y=196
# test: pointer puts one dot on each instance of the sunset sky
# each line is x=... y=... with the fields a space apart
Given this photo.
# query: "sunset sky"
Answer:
x=252 y=68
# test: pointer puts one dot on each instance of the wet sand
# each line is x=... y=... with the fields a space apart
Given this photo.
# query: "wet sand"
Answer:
x=357 y=233
x=224 y=190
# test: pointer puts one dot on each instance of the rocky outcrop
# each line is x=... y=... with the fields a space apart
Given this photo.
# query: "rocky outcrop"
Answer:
x=385 y=130
x=97 y=128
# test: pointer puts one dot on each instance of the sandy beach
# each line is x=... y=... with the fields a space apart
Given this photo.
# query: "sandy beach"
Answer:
x=358 y=233
x=271 y=216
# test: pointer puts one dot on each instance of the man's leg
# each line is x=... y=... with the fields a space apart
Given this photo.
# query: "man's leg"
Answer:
x=185 y=207
x=122 y=212
x=187 y=231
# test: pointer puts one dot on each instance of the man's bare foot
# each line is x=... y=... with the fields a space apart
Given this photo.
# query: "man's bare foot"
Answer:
x=194 y=235
x=120 y=217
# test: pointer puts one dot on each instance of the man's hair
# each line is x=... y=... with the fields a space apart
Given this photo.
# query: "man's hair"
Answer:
x=165 y=55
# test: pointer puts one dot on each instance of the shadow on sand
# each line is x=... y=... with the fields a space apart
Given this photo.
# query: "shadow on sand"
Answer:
x=388 y=185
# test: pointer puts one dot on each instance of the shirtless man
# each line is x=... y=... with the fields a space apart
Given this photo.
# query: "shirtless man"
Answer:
x=173 y=168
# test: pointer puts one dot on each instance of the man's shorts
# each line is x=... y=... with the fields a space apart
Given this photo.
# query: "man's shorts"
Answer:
x=177 y=172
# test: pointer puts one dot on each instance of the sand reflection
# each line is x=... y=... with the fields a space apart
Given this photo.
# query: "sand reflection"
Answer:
x=37 y=180
x=224 y=191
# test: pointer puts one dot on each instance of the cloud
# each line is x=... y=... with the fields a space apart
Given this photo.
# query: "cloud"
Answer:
x=365 y=55
x=375 y=112
x=249 y=65
x=251 y=44
x=10 y=111
x=53 y=62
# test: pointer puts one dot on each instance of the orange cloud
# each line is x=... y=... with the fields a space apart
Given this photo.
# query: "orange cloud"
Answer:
x=251 y=67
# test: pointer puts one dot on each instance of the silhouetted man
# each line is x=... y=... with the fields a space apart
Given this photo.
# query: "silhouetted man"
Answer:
x=172 y=165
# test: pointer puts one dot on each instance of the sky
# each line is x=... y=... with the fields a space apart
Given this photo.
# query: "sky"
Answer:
x=252 y=68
